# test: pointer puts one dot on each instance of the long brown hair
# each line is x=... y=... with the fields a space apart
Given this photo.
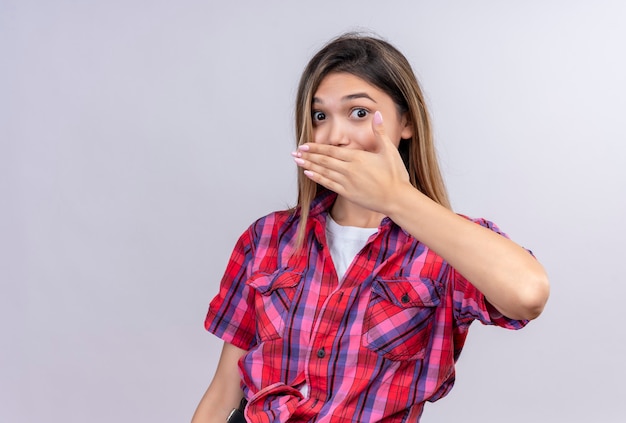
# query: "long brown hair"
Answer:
x=382 y=65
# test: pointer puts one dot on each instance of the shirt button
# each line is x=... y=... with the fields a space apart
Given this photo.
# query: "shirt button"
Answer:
x=405 y=298
x=321 y=353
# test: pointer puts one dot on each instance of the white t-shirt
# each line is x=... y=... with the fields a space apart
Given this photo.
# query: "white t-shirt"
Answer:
x=345 y=242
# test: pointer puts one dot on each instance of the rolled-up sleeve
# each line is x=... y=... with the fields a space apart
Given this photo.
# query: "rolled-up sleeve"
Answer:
x=231 y=314
x=470 y=304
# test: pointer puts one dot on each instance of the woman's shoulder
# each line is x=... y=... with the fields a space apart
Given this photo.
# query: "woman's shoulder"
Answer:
x=274 y=223
x=278 y=217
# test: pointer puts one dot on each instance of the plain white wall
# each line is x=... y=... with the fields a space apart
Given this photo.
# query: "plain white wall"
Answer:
x=139 y=138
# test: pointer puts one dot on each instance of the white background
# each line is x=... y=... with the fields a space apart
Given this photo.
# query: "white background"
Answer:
x=139 y=138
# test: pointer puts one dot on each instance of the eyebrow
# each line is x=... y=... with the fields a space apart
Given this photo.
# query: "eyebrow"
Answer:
x=348 y=98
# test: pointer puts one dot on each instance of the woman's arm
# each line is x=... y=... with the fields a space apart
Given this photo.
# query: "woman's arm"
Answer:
x=224 y=392
x=509 y=277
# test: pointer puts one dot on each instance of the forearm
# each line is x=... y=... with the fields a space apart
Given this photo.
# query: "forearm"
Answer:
x=215 y=407
x=224 y=392
x=509 y=277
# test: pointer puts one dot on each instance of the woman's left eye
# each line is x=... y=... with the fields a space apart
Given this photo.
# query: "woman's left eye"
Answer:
x=359 y=113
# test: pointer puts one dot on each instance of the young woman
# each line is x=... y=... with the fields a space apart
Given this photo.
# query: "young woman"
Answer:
x=355 y=305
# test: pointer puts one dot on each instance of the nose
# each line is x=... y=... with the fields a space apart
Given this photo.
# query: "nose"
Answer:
x=337 y=134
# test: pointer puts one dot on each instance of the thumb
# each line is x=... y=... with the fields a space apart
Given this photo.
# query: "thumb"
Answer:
x=379 y=130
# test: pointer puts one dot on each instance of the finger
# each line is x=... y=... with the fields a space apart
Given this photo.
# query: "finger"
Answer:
x=323 y=161
x=315 y=154
x=325 y=182
x=338 y=153
x=378 y=127
x=326 y=167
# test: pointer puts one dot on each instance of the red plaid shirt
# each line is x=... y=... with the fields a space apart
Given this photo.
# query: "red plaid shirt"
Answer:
x=372 y=347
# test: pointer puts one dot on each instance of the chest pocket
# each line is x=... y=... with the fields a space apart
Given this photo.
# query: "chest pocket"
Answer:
x=399 y=318
x=274 y=295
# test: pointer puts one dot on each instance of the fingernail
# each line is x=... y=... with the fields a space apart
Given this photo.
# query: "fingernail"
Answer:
x=296 y=154
x=378 y=118
x=303 y=147
x=298 y=160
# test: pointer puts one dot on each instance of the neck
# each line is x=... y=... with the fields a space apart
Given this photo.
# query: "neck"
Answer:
x=346 y=213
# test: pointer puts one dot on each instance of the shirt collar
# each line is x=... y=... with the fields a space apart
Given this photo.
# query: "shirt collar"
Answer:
x=322 y=203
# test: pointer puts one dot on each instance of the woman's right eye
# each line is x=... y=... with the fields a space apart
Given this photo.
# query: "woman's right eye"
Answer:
x=317 y=116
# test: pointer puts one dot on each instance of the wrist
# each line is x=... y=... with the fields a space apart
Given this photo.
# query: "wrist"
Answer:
x=404 y=197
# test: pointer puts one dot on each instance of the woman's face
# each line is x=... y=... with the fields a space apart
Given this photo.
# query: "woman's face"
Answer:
x=343 y=108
